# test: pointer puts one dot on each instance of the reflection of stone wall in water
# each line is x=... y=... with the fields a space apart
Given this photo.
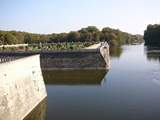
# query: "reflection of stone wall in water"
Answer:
x=74 y=77
x=39 y=112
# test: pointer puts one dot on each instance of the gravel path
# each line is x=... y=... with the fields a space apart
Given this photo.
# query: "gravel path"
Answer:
x=95 y=46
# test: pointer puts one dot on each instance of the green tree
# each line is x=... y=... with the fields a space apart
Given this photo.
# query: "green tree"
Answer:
x=2 y=39
x=61 y=37
x=20 y=37
x=10 y=39
x=92 y=29
x=97 y=36
x=152 y=35
x=91 y=33
x=27 y=38
x=73 y=37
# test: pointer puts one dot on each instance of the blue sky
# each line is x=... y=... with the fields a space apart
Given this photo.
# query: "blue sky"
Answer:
x=49 y=16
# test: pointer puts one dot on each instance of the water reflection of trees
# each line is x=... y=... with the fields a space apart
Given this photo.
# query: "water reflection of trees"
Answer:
x=153 y=53
x=115 y=51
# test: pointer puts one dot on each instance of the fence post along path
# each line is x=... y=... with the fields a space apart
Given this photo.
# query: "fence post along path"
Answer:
x=21 y=87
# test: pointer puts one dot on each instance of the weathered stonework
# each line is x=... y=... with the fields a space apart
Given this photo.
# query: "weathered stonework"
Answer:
x=21 y=89
x=77 y=59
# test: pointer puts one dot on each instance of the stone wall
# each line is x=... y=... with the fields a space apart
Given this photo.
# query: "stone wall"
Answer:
x=76 y=59
x=21 y=87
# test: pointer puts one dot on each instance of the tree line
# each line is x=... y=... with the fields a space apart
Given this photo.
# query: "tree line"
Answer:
x=152 y=35
x=114 y=37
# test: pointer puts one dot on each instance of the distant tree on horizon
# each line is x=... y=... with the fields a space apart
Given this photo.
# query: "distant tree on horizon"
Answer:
x=10 y=39
x=114 y=37
x=152 y=35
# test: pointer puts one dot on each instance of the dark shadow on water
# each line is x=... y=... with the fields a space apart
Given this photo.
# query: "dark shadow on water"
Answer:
x=152 y=53
x=73 y=77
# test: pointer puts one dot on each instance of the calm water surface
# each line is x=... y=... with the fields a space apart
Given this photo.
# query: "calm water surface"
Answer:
x=129 y=91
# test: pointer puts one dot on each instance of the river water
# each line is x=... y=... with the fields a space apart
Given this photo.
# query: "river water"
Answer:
x=129 y=91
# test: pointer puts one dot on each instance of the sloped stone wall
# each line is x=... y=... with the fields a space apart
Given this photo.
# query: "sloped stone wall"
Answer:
x=21 y=87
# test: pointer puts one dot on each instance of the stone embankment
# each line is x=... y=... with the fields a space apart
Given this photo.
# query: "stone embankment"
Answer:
x=22 y=87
